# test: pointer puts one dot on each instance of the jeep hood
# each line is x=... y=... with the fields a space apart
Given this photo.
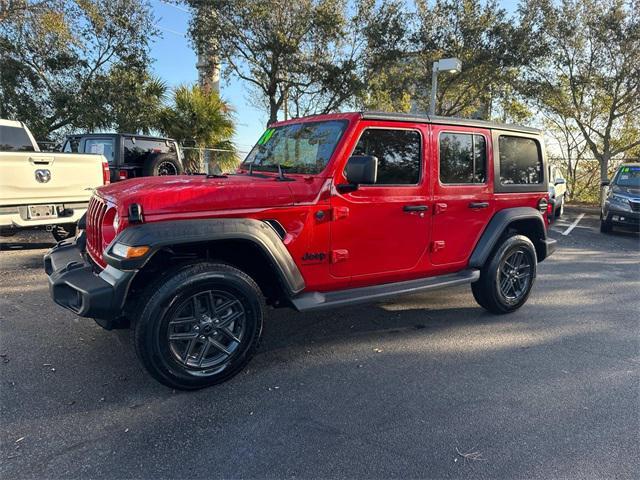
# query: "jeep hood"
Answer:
x=197 y=193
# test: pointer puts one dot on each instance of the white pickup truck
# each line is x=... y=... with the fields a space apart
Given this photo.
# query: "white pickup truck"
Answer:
x=47 y=190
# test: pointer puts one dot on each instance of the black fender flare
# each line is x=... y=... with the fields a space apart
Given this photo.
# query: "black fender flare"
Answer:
x=500 y=223
x=158 y=235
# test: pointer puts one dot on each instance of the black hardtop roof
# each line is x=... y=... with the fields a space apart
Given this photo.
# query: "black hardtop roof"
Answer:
x=111 y=134
x=467 y=122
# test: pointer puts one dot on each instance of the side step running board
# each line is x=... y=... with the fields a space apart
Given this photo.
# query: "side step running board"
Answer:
x=319 y=300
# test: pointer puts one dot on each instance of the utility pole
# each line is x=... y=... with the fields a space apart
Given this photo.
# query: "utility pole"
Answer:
x=208 y=72
x=208 y=64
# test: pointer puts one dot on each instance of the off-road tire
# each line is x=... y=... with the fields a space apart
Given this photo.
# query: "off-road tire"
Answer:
x=162 y=302
x=62 y=232
x=163 y=164
x=487 y=290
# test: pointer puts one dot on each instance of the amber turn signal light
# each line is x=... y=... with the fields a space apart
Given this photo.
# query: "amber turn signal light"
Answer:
x=126 y=251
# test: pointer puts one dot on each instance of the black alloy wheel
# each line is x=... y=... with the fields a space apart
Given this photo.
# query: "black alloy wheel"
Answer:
x=206 y=329
x=508 y=275
x=198 y=325
x=515 y=275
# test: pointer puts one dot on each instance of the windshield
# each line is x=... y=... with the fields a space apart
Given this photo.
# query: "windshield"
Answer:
x=628 y=177
x=298 y=148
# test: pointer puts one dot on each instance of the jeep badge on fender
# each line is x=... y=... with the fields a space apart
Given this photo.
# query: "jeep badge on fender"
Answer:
x=413 y=203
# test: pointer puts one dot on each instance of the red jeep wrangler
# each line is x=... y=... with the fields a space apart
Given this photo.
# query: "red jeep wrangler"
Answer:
x=325 y=211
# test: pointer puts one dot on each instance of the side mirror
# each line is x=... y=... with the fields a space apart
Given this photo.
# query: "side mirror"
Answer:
x=560 y=181
x=605 y=183
x=362 y=169
x=189 y=143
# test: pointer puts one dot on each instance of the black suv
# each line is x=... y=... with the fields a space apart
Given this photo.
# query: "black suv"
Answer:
x=621 y=199
x=130 y=155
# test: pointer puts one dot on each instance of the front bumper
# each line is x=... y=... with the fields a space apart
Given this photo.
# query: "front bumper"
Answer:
x=623 y=218
x=76 y=286
x=550 y=246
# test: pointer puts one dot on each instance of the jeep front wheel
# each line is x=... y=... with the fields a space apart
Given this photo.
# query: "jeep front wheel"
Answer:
x=199 y=326
x=507 y=277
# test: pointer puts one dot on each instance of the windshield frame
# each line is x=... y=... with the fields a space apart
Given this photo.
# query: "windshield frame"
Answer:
x=343 y=125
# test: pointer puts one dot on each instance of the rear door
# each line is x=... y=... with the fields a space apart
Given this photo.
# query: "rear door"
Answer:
x=382 y=229
x=463 y=203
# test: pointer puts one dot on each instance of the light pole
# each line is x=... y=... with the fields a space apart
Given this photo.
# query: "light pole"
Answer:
x=450 y=65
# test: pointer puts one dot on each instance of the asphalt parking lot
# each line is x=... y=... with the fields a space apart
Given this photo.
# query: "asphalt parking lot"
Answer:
x=426 y=386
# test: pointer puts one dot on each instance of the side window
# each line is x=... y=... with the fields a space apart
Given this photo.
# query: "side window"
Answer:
x=102 y=146
x=520 y=161
x=463 y=158
x=398 y=152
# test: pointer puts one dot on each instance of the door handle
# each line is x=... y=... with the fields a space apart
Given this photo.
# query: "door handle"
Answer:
x=415 y=208
x=478 y=204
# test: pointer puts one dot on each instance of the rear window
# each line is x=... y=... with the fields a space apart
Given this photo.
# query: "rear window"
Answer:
x=15 y=139
x=137 y=150
x=520 y=161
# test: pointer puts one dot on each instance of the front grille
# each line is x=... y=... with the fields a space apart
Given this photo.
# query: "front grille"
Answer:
x=635 y=206
x=95 y=215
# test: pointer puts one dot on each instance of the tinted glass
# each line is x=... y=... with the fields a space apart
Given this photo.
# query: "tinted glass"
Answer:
x=297 y=148
x=463 y=158
x=137 y=150
x=520 y=161
x=398 y=153
x=101 y=146
x=15 y=139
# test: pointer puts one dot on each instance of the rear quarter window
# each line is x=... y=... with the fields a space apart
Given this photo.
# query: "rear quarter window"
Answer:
x=520 y=161
x=14 y=139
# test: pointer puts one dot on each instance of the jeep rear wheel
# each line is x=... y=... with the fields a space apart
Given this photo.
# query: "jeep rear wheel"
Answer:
x=507 y=277
x=199 y=326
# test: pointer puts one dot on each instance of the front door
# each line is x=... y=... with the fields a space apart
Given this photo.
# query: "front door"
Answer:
x=382 y=229
x=463 y=200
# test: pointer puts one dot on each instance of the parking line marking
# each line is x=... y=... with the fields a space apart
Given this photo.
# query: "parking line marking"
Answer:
x=573 y=225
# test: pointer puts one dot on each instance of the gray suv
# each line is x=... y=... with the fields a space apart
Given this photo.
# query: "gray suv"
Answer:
x=621 y=199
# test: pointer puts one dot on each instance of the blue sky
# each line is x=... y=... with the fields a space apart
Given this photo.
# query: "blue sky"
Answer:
x=174 y=62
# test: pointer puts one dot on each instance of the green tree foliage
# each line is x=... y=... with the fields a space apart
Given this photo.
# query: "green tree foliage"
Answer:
x=78 y=64
x=200 y=116
x=290 y=52
x=389 y=65
x=590 y=72
x=402 y=46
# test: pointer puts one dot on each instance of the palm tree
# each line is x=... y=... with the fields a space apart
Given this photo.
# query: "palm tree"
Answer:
x=200 y=116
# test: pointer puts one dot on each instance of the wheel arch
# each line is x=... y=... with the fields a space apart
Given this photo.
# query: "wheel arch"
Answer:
x=251 y=245
x=525 y=221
